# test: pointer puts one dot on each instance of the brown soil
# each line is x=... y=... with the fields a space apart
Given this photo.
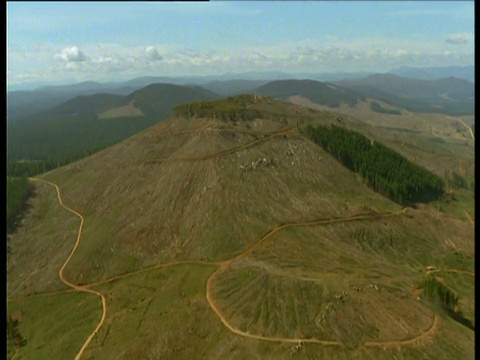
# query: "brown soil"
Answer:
x=123 y=111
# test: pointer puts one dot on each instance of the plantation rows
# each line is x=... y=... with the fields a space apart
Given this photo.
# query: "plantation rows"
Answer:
x=270 y=305
x=386 y=171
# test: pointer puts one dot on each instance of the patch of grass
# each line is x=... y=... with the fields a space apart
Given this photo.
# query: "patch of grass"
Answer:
x=438 y=293
x=462 y=200
x=164 y=309
x=375 y=106
x=55 y=326
x=250 y=290
x=458 y=260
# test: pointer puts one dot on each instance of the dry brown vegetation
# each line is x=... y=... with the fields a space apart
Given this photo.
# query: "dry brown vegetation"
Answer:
x=123 y=111
x=157 y=232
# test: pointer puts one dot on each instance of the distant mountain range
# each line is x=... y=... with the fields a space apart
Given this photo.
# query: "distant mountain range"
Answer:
x=317 y=92
x=427 y=73
x=435 y=73
x=23 y=103
x=451 y=96
x=69 y=120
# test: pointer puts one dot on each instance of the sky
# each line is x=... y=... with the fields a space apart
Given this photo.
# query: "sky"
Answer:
x=62 y=42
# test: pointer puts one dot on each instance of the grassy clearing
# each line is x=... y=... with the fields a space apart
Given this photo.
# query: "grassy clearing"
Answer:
x=165 y=310
x=280 y=307
x=463 y=200
x=55 y=326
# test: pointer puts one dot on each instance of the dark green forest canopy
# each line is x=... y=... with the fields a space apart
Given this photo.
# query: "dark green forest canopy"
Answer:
x=231 y=108
x=18 y=190
x=384 y=170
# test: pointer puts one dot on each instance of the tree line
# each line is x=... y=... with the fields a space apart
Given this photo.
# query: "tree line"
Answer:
x=14 y=337
x=31 y=168
x=386 y=171
x=18 y=190
x=443 y=297
x=235 y=108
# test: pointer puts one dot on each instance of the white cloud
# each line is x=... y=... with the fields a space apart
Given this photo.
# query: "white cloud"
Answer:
x=153 y=54
x=71 y=54
x=114 y=62
x=457 y=39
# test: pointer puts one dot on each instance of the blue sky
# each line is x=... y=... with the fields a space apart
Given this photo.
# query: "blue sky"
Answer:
x=69 y=42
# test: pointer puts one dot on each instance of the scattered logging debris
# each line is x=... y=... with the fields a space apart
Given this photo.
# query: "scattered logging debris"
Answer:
x=250 y=166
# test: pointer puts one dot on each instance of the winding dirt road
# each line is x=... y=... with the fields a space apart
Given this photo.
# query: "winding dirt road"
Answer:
x=68 y=283
x=223 y=265
x=451 y=270
x=288 y=131
x=463 y=123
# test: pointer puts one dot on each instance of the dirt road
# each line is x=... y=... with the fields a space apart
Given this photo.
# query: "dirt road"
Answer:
x=68 y=283
x=288 y=131
x=224 y=265
x=468 y=127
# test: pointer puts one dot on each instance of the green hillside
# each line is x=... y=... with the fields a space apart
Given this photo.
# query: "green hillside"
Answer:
x=448 y=96
x=156 y=100
x=232 y=237
x=74 y=129
x=318 y=92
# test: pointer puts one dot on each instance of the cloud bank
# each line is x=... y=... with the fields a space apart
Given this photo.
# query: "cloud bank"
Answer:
x=113 y=62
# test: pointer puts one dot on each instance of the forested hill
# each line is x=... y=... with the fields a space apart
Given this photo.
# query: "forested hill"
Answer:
x=18 y=190
x=384 y=170
x=317 y=92
x=77 y=128
x=450 y=96
x=159 y=99
x=82 y=104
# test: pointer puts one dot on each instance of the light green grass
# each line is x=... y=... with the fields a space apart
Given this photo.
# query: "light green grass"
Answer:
x=55 y=326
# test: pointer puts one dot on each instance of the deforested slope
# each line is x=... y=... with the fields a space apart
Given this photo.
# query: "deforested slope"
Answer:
x=231 y=237
x=178 y=191
x=317 y=92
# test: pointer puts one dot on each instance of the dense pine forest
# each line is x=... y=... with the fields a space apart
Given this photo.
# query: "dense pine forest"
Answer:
x=384 y=170
x=231 y=108
x=18 y=190
x=31 y=168
x=65 y=137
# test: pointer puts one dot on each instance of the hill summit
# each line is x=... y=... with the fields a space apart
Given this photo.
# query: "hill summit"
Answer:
x=231 y=237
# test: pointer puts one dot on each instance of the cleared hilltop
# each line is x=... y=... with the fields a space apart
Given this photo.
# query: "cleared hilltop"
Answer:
x=226 y=232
